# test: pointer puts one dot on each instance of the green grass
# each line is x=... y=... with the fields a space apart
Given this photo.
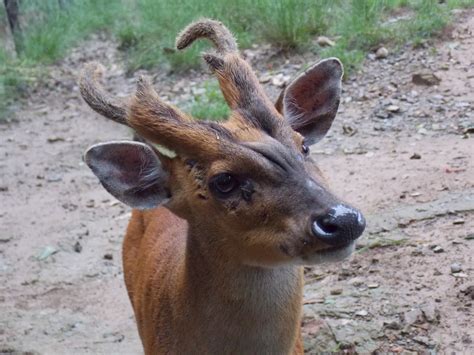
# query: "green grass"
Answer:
x=146 y=29
x=210 y=105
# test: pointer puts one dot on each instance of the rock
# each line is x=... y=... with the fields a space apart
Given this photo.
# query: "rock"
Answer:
x=381 y=53
x=469 y=236
x=324 y=41
x=437 y=249
x=393 y=324
x=265 y=78
x=469 y=292
x=415 y=156
x=90 y=204
x=430 y=312
x=424 y=341
x=336 y=291
x=348 y=130
x=374 y=285
x=280 y=80
x=108 y=256
x=55 y=139
x=455 y=268
x=361 y=313
x=317 y=336
x=77 y=247
x=413 y=316
x=425 y=78
x=393 y=108
x=53 y=178
x=3 y=188
x=458 y=221
x=47 y=252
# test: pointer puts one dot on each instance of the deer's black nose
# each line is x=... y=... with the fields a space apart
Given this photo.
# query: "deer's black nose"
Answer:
x=340 y=225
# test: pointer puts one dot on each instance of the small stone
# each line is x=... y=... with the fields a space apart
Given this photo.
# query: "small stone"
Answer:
x=374 y=285
x=53 y=178
x=349 y=130
x=336 y=291
x=412 y=316
x=47 y=252
x=265 y=78
x=77 y=247
x=361 y=313
x=437 y=249
x=381 y=53
x=280 y=80
x=415 y=156
x=324 y=41
x=393 y=108
x=458 y=221
x=469 y=236
x=3 y=188
x=425 y=78
x=90 y=204
x=393 y=324
x=455 y=268
x=55 y=139
x=108 y=256
x=430 y=312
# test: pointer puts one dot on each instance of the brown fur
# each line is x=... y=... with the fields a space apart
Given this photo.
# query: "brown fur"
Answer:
x=208 y=275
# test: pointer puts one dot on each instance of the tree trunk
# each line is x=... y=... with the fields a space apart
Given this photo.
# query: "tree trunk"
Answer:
x=12 y=10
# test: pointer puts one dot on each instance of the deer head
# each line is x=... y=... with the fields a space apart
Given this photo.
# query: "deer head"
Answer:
x=247 y=185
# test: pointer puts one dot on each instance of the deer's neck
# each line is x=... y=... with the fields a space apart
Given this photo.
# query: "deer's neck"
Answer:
x=256 y=307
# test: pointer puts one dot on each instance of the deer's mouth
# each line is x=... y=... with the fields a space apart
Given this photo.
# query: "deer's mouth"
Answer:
x=329 y=255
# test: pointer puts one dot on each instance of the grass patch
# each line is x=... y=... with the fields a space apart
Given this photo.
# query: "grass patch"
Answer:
x=146 y=30
x=208 y=105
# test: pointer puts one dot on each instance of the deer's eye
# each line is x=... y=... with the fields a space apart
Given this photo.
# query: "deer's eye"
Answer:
x=224 y=184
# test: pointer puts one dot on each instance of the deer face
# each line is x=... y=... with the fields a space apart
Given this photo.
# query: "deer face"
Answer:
x=249 y=183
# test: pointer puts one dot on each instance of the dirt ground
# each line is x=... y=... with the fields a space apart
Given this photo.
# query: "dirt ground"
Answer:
x=399 y=150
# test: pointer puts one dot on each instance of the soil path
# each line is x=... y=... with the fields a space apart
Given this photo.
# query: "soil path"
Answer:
x=399 y=151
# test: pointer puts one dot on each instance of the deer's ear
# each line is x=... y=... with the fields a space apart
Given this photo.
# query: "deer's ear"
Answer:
x=130 y=171
x=310 y=101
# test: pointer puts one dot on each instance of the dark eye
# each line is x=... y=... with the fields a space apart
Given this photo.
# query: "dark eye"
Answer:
x=305 y=149
x=224 y=184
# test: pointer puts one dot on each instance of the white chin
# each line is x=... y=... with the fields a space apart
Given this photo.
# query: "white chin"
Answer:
x=329 y=255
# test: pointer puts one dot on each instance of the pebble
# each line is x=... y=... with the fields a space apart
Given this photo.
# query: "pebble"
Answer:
x=458 y=221
x=373 y=285
x=437 y=249
x=77 y=247
x=425 y=78
x=55 y=139
x=455 y=268
x=362 y=313
x=108 y=256
x=280 y=80
x=381 y=53
x=336 y=291
x=415 y=156
x=393 y=108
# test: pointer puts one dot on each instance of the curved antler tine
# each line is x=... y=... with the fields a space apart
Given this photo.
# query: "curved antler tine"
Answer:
x=164 y=124
x=237 y=80
x=97 y=98
x=213 y=30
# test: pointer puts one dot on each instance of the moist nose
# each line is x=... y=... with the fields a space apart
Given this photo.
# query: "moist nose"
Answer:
x=341 y=225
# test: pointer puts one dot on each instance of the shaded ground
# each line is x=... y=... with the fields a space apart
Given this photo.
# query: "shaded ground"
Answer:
x=399 y=151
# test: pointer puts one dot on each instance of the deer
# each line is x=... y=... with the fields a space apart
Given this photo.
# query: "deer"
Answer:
x=221 y=229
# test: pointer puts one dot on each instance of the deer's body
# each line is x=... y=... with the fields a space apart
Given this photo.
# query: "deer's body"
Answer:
x=188 y=300
x=213 y=264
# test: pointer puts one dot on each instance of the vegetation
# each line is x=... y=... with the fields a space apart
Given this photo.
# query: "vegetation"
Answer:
x=146 y=29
